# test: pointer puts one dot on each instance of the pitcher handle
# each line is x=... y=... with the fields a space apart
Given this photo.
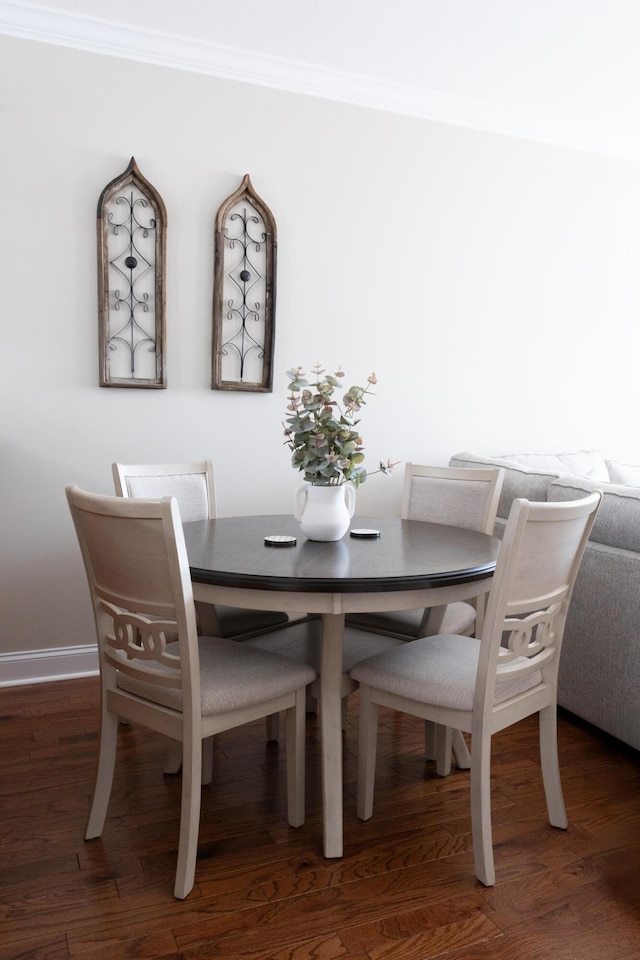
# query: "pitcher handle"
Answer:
x=350 y=498
x=299 y=501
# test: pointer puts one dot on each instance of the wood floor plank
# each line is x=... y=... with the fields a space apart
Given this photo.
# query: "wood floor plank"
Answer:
x=426 y=932
x=152 y=947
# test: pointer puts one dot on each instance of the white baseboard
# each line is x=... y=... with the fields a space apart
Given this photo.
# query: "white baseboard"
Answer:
x=43 y=666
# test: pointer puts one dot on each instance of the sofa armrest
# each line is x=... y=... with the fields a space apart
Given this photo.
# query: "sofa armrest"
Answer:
x=599 y=676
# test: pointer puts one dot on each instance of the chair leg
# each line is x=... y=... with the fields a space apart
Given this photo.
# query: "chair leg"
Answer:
x=174 y=758
x=295 y=734
x=430 y=747
x=273 y=727
x=189 y=818
x=548 y=720
x=207 y=761
x=444 y=738
x=481 y=808
x=104 y=774
x=457 y=743
x=367 y=749
x=460 y=750
x=173 y=763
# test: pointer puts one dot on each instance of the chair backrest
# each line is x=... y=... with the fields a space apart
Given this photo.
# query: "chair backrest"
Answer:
x=138 y=573
x=527 y=609
x=457 y=496
x=190 y=483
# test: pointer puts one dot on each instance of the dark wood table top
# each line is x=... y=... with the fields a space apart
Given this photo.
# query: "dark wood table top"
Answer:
x=408 y=555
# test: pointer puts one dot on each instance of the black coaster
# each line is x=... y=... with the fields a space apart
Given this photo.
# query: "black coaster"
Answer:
x=280 y=541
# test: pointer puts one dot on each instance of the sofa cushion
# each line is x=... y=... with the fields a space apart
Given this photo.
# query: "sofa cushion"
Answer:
x=519 y=480
x=528 y=475
x=625 y=473
x=617 y=523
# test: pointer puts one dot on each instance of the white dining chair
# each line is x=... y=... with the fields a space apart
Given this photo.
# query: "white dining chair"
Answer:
x=461 y=497
x=157 y=672
x=481 y=687
x=192 y=484
x=457 y=496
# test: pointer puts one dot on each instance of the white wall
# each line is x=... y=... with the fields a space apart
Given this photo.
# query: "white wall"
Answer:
x=491 y=283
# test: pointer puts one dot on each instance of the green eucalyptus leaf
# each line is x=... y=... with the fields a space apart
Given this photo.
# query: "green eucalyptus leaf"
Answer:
x=321 y=431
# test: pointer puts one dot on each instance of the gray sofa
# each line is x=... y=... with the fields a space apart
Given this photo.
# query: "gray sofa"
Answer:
x=599 y=677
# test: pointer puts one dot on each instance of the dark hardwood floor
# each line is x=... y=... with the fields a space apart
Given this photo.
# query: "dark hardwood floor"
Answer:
x=404 y=889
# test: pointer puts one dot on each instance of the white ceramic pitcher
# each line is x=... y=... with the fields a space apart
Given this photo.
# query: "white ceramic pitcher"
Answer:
x=324 y=512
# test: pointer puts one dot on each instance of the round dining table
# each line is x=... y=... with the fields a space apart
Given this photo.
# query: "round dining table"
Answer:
x=266 y=563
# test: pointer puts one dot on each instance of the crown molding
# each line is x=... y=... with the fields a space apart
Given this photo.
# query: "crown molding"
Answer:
x=32 y=22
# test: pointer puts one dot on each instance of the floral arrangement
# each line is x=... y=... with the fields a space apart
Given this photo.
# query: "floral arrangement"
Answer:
x=323 y=436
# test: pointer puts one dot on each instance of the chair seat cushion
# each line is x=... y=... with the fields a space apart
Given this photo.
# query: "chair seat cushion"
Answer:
x=459 y=617
x=439 y=670
x=303 y=642
x=232 y=675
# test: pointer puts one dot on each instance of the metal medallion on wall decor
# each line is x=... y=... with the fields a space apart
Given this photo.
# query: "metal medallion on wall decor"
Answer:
x=244 y=293
x=132 y=225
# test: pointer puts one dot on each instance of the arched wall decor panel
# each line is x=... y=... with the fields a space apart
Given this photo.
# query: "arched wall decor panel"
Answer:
x=132 y=225
x=244 y=293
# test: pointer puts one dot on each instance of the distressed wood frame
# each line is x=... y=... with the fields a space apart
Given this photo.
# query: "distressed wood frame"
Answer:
x=225 y=255
x=110 y=249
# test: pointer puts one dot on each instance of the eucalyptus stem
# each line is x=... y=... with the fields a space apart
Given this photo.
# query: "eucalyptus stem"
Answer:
x=322 y=434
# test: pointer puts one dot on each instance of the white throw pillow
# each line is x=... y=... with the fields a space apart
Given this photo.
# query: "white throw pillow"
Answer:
x=582 y=463
x=626 y=473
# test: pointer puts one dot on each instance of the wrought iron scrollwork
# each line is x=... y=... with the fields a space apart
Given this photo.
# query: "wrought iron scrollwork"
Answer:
x=244 y=293
x=131 y=265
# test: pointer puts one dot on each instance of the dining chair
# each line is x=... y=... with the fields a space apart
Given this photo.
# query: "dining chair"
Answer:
x=192 y=484
x=157 y=672
x=461 y=497
x=482 y=686
x=457 y=496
